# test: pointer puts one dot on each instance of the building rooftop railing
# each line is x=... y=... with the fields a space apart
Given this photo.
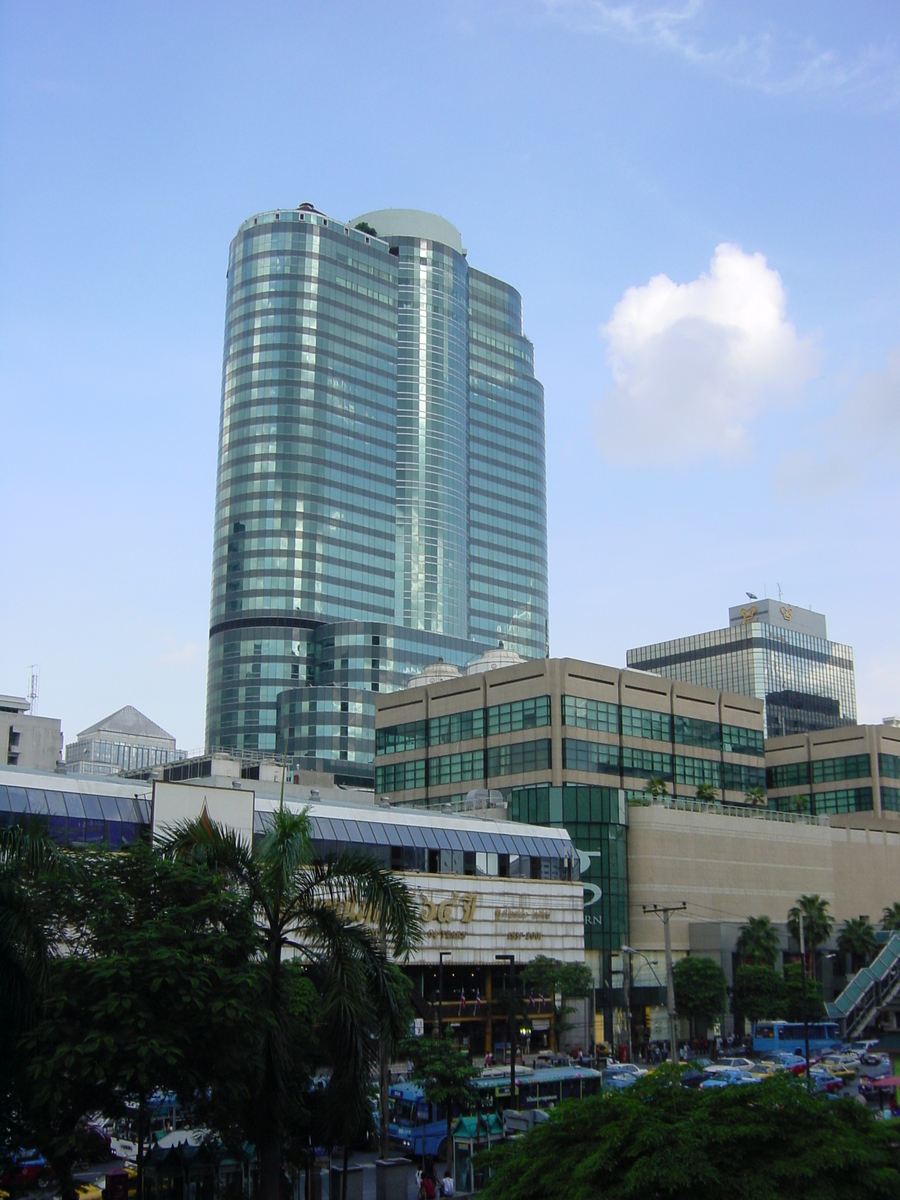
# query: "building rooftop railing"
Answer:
x=753 y=812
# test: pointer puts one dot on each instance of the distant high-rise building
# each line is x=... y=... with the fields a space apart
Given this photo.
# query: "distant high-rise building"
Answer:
x=29 y=740
x=126 y=740
x=778 y=653
x=381 y=498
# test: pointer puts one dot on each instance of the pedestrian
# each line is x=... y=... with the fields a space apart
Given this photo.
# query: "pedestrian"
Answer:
x=447 y=1188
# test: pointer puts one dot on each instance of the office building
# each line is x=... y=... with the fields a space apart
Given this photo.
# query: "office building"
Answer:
x=29 y=741
x=779 y=653
x=571 y=744
x=850 y=770
x=124 y=741
x=380 y=498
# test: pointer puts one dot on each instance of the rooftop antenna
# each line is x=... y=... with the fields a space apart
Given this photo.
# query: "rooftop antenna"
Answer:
x=34 y=688
x=779 y=592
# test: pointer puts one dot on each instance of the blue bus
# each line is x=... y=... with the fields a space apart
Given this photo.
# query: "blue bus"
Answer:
x=790 y=1036
x=414 y=1120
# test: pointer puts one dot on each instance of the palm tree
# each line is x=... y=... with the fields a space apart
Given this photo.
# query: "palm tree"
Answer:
x=857 y=940
x=656 y=788
x=754 y=796
x=890 y=918
x=707 y=793
x=331 y=916
x=817 y=924
x=758 y=942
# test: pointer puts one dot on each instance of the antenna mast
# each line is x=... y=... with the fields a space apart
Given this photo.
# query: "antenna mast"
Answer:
x=34 y=688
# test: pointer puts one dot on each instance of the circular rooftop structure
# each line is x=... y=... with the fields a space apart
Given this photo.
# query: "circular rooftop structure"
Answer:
x=409 y=222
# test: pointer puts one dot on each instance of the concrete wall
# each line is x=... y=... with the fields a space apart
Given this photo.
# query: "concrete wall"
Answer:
x=726 y=867
x=39 y=745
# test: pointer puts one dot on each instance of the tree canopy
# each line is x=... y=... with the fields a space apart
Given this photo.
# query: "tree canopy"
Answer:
x=758 y=942
x=793 y=996
x=817 y=924
x=657 y=1139
x=758 y=992
x=700 y=988
x=890 y=918
x=856 y=940
x=445 y=1074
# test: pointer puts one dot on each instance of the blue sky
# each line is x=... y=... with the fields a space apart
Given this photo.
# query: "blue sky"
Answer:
x=698 y=203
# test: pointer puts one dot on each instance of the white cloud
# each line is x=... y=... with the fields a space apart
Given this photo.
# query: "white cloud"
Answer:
x=694 y=363
x=774 y=63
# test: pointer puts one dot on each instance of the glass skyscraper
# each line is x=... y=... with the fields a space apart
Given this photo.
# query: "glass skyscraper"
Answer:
x=777 y=652
x=380 y=497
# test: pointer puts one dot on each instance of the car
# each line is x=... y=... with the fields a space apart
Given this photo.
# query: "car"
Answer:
x=839 y=1069
x=616 y=1080
x=25 y=1169
x=88 y=1191
x=92 y=1143
x=873 y=1058
x=631 y=1069
x=862 y=1047
x=730 y=1064
x=824 y=1081
x=730 y=1077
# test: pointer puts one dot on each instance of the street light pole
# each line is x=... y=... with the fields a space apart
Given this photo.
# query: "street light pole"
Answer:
x=627 y=953
x=441 y=955
x=511 y=1023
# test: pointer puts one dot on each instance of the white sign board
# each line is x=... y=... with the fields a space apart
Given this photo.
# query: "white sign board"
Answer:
x=174 y=803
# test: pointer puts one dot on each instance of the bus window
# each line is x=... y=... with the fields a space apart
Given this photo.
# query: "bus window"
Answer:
x=765 y=1031
x=571 y=1089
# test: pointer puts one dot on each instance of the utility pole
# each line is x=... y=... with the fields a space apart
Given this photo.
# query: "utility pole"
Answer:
x=664 y=911
x=803 y=994
x=511 y=1034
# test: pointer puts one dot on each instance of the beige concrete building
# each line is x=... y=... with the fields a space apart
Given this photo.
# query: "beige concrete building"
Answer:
x=837 y=771
x=28 y=741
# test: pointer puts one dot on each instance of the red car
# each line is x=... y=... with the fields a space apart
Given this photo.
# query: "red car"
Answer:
x=27 y=1169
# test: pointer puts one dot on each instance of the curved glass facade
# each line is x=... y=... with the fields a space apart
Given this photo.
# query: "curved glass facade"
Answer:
x=507 y=475
x=432 y=355
x=380 y=498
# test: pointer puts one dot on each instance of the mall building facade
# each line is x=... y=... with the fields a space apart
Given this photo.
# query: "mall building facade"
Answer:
x=380 y=496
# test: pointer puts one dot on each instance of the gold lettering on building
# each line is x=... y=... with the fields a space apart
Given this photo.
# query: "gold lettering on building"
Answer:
x=749 y=613
x=459 y=906
x=786 y=611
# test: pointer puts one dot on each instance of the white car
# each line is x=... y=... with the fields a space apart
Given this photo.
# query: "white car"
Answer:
x=729 y=1064
x=625 y=1069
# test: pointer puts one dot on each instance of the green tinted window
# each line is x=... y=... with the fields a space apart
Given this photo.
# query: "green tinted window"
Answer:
x=737 y=777
x=590 y=756
x=400 y=777
x=830 y=770
x=787 y=775
x=397 y=738
x=890 y=799
x=520 y=714
x=845 y=801
x=694 y=771
x=889 y=766
x=456 y=768
x=737 y=740
x=641 y=723
x=458 y=727
x=518 y=757
x=590 y=714
x=646 y=764
x=691 y=731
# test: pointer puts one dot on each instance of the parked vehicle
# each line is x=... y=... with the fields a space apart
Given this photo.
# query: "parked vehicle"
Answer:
x=25 y=1169
x=727 y=1078
x=729 y=1064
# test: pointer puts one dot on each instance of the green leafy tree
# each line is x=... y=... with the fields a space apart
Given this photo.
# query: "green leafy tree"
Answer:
x=890 y=918
x=801 y=804
x=700 y=989
x=772 y=1141
x=856 y=941
x=551 y=978
x=793 y=996
x=141 y=988
x=755 y=796
x=656 y=788
x=817 y=925
x=446 y=1075
x=707 y=793
x=758 y=992
x=365 y=227
x=329 y=915
x=758 y=942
